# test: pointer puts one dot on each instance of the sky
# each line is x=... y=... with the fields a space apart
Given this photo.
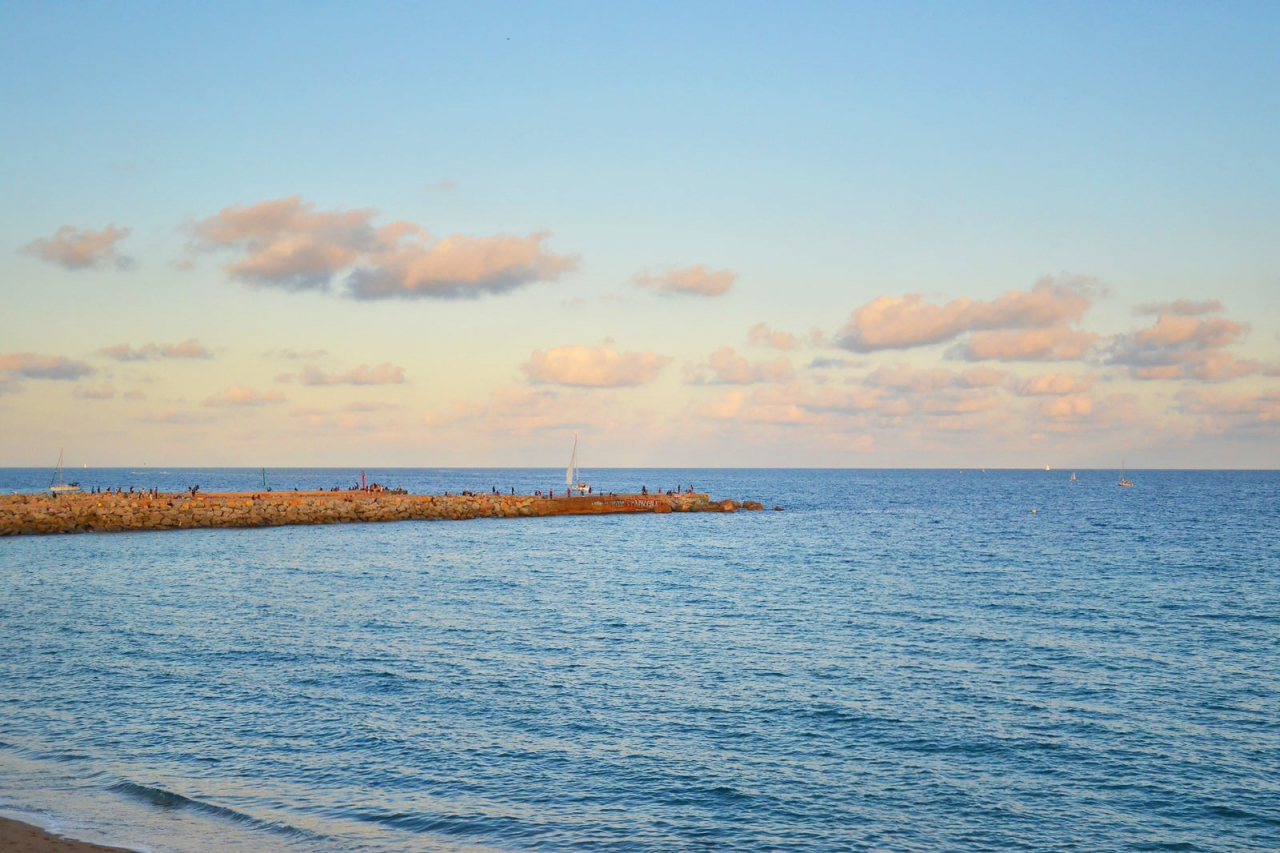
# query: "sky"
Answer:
x=708 y=235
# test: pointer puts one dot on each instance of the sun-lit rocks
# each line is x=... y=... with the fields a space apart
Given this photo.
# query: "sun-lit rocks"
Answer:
x=84 y=513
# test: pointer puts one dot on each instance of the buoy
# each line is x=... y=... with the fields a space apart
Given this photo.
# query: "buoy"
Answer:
x=1033 y=512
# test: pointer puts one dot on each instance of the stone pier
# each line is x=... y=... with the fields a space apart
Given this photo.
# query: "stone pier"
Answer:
x=83 y=513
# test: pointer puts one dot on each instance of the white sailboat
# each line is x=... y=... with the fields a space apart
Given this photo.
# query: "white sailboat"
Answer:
x=1123 y=481
x=57 y=485
x=571 y=473
x=1073 y=477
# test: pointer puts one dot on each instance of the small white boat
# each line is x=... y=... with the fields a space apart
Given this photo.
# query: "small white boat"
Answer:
x=57 y=485
x=571 y=474
x=1124 y=482
x=1073 y=477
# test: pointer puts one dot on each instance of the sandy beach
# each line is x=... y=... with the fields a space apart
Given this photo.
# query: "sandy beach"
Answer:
x=18 y=837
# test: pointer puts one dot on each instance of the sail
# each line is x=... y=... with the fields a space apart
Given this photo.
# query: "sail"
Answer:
x=573 y=463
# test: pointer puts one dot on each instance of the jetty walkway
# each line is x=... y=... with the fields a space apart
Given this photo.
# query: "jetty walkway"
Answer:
x=83 y=513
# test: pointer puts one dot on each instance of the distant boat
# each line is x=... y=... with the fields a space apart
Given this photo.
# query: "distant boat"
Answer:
x=571 y=473
x=1046 y=467
x=57 y=485
x=1073 y=477
x=1123 y=481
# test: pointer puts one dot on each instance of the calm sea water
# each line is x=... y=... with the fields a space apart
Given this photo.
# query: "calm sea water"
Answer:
x=902 y=660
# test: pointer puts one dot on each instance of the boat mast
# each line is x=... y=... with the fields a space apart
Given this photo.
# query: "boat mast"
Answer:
x=573 y=463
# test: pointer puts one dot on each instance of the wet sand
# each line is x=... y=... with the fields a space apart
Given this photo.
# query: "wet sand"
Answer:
x=18 y=837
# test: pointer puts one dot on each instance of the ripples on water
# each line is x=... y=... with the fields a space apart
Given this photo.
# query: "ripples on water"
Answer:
x=900 y=661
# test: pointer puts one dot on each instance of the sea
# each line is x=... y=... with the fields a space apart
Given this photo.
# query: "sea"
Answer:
x=898 y=660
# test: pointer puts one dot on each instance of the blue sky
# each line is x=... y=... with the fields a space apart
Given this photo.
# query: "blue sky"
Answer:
x=823 y=155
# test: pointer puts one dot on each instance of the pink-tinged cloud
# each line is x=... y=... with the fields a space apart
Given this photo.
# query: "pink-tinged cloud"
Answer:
x=525 y=411
x=190 y=348
x=728 y=368
x=28 y=365
x=328 y=421
x=178 y=417
x=919 y=401
x=690 y=281
x=593 y=367
x=1067 y=407
x=368 y=406
x=776 y=407
x=1208 y=367
x=444 y=185
x=981 y=377
x=1058 y=343
x=761 y=335
x=904 y=378
x=104 y=392
x=294 y=354
x=1181 y=308
x=1082 y=412
x=81 y=249
x=1252 y=408
x=289 y=244
x=1193 y=332
x=458 y=267
x=960 y=402
x=1180 y=347
x=903 y=322
x=1052 y=385
x=239 y=395
x=382 y=374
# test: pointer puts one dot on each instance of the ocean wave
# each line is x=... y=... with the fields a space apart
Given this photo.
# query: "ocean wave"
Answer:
x=166 y=799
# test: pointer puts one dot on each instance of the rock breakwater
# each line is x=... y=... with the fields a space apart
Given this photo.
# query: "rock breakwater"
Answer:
x=84 y=513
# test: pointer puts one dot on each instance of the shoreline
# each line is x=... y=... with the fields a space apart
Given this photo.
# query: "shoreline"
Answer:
x=18 y=836
x=38 y=514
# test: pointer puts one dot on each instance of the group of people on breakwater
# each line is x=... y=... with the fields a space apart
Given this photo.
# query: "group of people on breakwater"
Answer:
x=118 y=490
x=688 y=490
x=378 y=488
